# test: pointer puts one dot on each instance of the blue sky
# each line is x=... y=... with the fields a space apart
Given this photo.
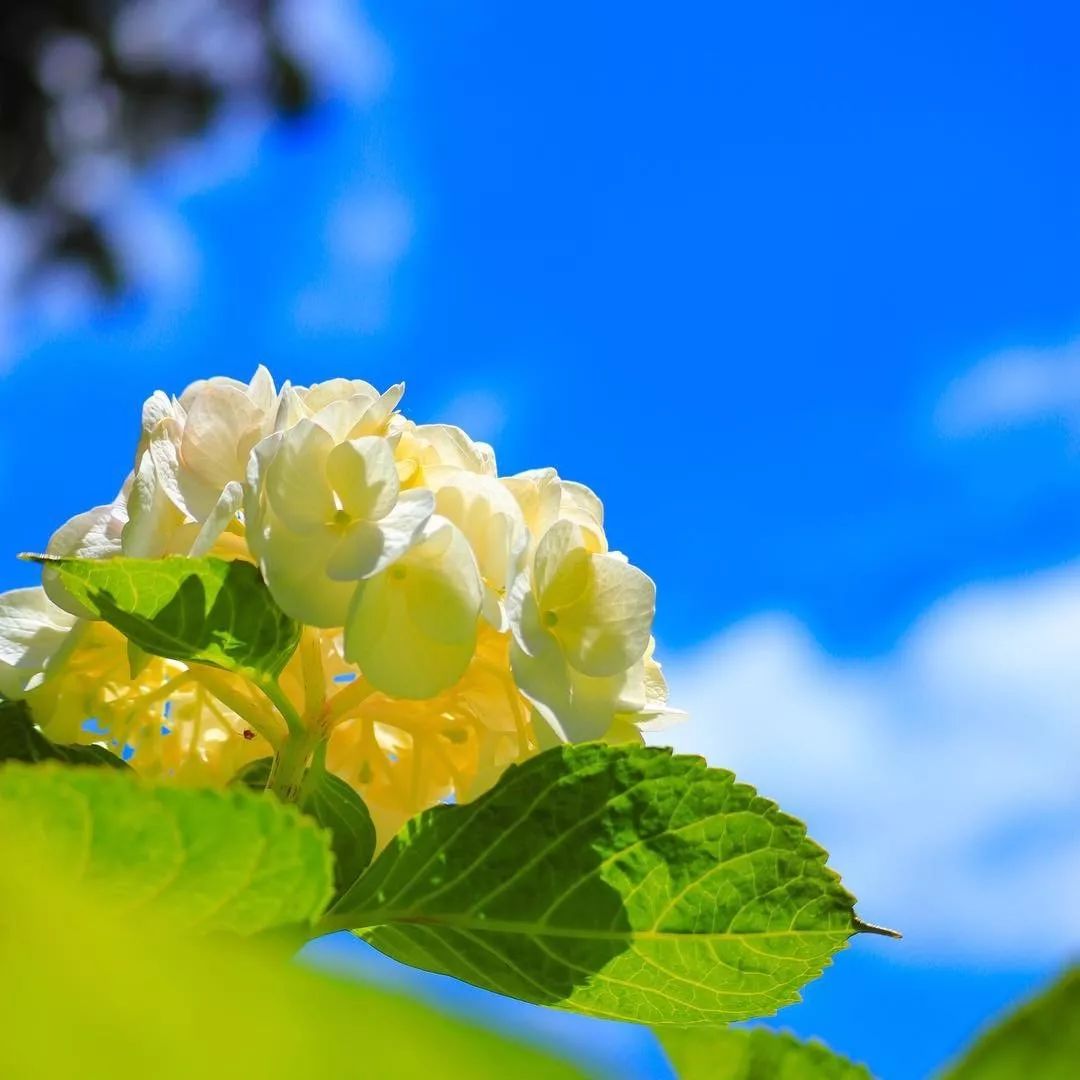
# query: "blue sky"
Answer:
x=795 y=289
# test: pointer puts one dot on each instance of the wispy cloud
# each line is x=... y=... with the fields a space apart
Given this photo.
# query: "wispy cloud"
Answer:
x=944 y=778
x=1018 y=386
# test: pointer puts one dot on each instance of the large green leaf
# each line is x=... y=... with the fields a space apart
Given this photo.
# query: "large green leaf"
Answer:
x=730 y=1054
x=208 y=610
x=20 y=740
x=1038 y=1041
x=337 y=808
x=616 y=881
x=211 y=860
x=88 y=992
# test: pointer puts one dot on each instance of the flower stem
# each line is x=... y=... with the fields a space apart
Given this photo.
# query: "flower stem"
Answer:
x=280 y=700
x=314 y=674
x=291 y=760
x=344 y=701
x=253 y=711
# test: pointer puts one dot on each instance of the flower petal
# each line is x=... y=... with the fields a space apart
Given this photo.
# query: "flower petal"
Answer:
x=32 y=631
x=368 y=547
x=412 y=628
x=219 y=519
x=561 y=566
x=294 y=568
x=93 y=534
x=606 y=628
x=295 y=477
x=364 y=477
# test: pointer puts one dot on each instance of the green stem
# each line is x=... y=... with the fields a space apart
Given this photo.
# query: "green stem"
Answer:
x=313 y=777
x=253 y=711
x=291 y=760
x=280 y=700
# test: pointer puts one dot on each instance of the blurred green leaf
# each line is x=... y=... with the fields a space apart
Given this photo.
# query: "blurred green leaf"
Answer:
x=727 y=1054
x=1038 y=1041
x=21 y=741
x=209 y=860
x=337 y=808
x=621 y=882
x=207 y=610
x=87 y=993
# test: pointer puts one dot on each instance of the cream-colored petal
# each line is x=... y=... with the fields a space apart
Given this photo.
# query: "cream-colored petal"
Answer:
x=366 y=548
x=157 y=407
x=294 y=568
x=200 y=386
x=359 y=548
x=445 y=444
x=163 y=449
x=493 y=609
x=576 y=707
x=291 y=408
x=262 y=392
x=295 y=477
x=560 y=567
x=538 y=493
x=360 y=415
x=364 y=477
x=522 y=613
x=581 y=505
x=32 y=631
x=412 y=628
x=607 y=626
x=322 y=394
x=489 y=517
x=374 y=419
x=219 y=519
x=153 y=516
x=221 y=427
x=94 y=534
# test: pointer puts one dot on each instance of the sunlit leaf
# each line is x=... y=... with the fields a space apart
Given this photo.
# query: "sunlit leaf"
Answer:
x=1038 y=1041
x=87 y=991
x=213 y=611
x=209 y=860
x=337 y=808
x=730 y=1054
x=621 y=882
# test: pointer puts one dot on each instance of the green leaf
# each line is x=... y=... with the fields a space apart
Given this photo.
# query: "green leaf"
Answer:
x=87 y=992
x=759 y=1054
x=211 y=860
x=20 y=740
x=1038 y=1041
x=207 y=610
x=337 y=808
x=616 y=881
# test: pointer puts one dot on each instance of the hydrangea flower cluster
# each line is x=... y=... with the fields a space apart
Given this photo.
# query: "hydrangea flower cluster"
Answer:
x=455 y=621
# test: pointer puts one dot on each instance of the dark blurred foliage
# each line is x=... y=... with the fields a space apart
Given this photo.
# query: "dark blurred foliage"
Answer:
x=103 y=86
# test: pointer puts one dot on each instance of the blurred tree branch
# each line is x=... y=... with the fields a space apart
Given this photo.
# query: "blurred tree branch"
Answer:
x=94 y=88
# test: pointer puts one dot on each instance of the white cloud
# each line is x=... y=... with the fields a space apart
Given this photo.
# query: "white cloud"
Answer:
x=943 y=778
x=1015 y=387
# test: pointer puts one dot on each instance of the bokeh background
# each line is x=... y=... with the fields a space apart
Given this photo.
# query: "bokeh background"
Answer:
x=793 y=286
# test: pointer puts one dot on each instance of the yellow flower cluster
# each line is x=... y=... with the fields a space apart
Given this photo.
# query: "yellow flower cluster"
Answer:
x=455 y=621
